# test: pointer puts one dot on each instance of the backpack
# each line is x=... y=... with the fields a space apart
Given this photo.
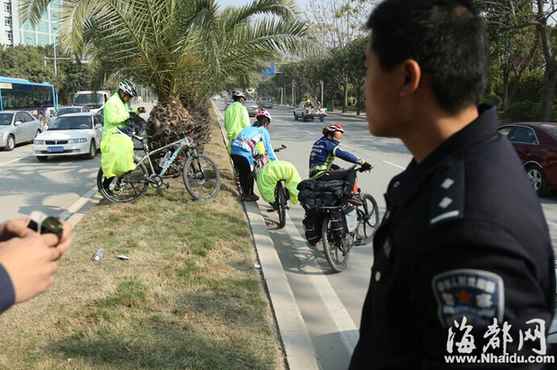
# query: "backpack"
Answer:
x=314 y=194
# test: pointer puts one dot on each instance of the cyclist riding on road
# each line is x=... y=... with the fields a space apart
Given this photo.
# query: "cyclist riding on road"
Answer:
x=236 y=117
x=324 y=152
x=244 y=146
x=116 y=144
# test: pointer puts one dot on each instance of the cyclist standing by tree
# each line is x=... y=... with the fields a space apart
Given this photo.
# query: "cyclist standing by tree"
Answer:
x=324 y=152
x=243 y=147
x=236 y=117
x=115 y=146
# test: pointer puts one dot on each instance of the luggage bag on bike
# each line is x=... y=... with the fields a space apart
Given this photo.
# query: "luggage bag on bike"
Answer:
x=315 y=194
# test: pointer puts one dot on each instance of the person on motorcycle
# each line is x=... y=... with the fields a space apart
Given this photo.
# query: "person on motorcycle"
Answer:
x=116 y=144
x=308 y=104
x=244 y=146
x=324 y=152
x=236 y=117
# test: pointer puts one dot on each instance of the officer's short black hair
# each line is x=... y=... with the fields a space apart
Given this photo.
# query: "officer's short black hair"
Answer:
x=446 y=37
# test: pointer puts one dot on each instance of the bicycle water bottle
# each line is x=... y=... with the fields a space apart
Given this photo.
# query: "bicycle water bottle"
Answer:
x=164 y=160
x=98 y=254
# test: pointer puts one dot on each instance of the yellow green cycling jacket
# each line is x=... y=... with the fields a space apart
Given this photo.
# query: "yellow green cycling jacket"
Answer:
x=236 y=118
x=274 y=171
x=115 y=114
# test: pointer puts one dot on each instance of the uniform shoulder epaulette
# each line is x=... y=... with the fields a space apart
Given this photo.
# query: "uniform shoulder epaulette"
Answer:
x=447 y=194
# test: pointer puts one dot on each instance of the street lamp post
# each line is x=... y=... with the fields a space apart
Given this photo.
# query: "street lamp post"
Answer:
x=293 y=87
x=321 y=83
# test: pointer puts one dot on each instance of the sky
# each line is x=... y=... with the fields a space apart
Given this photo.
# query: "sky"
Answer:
x=301 y=3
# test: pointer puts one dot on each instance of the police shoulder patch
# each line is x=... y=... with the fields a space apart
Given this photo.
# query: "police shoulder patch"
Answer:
x=477 y=294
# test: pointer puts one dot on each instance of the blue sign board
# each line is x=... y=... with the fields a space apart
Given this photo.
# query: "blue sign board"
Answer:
x=268 y=71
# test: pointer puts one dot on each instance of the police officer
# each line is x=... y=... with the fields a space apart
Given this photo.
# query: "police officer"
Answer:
x=463 y=263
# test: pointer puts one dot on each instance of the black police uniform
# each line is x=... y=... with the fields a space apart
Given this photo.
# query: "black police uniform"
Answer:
x=463 y=235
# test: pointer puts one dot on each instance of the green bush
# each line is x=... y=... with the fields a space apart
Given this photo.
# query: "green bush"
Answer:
x=522 y=111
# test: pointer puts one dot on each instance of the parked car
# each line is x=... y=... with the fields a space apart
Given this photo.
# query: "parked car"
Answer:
x=17 y=127
x=68 y=110
x=536 y=145
x=265 y=103
x=252 y=107
x=309 y=113
x=70 y=134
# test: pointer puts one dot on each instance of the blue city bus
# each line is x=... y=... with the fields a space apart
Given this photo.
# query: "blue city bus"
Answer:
x=37 y=98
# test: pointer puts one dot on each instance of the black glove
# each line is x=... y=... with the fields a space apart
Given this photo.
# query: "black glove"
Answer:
x=366 y=166
x=335 y=167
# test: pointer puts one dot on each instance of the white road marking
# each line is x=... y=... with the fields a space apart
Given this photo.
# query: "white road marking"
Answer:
x=394 y=165
x=74 y=208
x=347 y=330
x=15 y=160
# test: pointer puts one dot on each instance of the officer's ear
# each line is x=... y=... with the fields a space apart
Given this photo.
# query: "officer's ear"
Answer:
x=411 y=75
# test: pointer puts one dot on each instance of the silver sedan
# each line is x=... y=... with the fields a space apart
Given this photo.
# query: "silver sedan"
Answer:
x=17 y=127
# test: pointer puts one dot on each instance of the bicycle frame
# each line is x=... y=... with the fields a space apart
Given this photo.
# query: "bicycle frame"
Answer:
x=185 y=142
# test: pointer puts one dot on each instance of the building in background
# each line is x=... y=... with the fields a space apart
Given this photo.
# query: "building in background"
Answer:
x=12 y=32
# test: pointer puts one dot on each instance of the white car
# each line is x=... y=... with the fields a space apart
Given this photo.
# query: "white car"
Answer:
x=70 y=134
x=17 y=127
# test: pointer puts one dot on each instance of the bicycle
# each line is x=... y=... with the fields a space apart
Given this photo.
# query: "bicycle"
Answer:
x=200 y=174
x=339 y=237
x=282 y=196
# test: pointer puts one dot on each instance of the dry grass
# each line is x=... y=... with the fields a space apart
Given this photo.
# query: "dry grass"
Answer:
x=188 y=298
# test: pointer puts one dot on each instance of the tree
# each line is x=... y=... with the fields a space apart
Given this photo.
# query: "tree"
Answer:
x=519 y=14
x=189 y=49
x=337 y=23
x=25 y=62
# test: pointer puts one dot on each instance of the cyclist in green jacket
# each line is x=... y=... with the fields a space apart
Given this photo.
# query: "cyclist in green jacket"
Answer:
x=116 y=144
x=116 y=111
x=236 y=117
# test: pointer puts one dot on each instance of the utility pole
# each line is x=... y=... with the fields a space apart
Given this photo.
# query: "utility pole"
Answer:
x=321 y=83
x=293 y=87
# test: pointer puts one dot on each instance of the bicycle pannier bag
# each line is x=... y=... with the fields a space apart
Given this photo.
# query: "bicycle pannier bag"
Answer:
x=313 y=221
x=322 y=193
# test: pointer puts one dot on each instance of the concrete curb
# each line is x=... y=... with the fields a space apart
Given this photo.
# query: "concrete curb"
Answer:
x=298 y=346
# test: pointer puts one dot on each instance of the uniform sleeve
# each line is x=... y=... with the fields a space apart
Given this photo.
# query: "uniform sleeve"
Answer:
x=7 y=292
x=338 y=152
x=245 y=118
x=268 y=146
x=480 y=271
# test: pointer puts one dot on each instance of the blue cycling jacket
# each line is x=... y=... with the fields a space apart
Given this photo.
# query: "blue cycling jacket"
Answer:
x=323 y=154
x=241 y=144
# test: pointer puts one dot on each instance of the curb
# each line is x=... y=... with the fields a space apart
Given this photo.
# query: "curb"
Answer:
x=297 y=344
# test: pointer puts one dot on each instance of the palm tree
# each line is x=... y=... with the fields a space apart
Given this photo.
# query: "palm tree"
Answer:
x=179 y=49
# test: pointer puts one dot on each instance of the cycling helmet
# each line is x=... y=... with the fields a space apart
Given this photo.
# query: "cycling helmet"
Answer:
x=264 y=117
x=128 y=87
x=333 y=127
x=238 y=94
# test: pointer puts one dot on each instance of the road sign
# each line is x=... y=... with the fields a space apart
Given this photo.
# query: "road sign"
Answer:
x=268 y=71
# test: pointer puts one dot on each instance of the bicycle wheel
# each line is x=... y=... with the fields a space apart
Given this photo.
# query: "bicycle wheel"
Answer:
x=201 y=177
x=336 y=251
x=280 y=199
x=368 y=219
x=126 y=188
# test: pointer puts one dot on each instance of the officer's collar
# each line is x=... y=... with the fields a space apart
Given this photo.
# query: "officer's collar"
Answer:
x=404 y=187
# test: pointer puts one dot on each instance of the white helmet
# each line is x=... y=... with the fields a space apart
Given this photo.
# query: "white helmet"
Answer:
x=128 y=87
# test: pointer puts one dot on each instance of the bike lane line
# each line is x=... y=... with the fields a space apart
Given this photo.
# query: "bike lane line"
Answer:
x=347 y=330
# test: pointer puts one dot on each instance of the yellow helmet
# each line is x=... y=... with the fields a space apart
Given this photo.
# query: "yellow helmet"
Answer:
x=308 y=101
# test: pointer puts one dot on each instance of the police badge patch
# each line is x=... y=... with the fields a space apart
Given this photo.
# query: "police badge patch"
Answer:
x=477 y=294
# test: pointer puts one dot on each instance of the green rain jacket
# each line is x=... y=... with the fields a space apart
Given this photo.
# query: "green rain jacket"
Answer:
x=115 y=114
x=274 y=171
x=116 y=148
x=236 y=118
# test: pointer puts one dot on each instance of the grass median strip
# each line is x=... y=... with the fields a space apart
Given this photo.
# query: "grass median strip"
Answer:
x=188 y=297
